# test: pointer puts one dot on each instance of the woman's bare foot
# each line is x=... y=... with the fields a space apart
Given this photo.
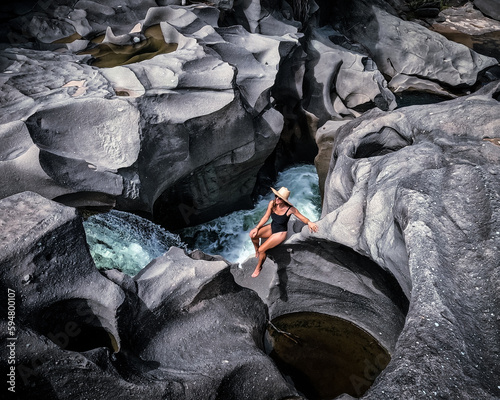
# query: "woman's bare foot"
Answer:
x=256 y=272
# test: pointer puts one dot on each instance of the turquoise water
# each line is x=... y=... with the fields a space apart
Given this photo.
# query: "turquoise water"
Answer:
x=228 y=235
x=128 y=242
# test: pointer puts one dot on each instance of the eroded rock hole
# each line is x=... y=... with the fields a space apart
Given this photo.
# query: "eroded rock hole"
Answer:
x=107 y=55
x=73 y=326
x=325 y=356
x=386 y=141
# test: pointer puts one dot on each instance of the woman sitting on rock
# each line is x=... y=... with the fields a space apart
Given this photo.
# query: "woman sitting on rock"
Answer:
x=280 y=210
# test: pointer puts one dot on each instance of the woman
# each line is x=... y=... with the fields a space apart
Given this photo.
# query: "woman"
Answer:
x=280 y=210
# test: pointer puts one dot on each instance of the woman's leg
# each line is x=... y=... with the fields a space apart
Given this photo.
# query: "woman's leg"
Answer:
x=274 y=240
x=263 y=233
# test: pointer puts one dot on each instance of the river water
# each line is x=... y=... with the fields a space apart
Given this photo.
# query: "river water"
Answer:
x=124 y=241
x=128 y=242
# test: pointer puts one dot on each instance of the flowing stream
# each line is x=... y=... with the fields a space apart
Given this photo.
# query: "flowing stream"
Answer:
x=128 y=242
x=228 y=235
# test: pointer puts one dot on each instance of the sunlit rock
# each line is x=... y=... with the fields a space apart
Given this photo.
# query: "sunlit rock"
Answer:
x=416 y=190
x=405 y=47
x=180 y=80
x=338 y=74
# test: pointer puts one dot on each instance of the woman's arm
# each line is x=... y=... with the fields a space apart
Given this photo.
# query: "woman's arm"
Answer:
x=312 y=226
x=263 y=220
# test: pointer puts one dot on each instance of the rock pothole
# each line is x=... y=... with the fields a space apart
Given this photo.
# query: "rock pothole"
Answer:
x=325 y=356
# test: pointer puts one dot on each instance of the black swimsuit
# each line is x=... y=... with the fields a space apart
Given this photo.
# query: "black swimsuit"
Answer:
x=280 y=222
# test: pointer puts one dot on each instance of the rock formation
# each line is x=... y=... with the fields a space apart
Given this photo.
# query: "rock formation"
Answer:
x=491 y=8
x=180 y=329
x=174 y=103
x=182 y=110
x=183 y=118
x=417 y=191
x=412 y=55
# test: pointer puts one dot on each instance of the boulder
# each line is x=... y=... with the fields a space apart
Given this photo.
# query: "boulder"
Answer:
x=466 y=19
x=61 y=304
x=210 y=323
x=469 y=26
x=42 y=243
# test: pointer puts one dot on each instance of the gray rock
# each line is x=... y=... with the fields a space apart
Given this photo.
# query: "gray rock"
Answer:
x=61 y=304
x=36 y=79
x=491 y=8
x=15 y=139
x=152 y=134
x=402 y=82
x=466 y=23
x=335 y=316
x=202 y=305
x=110 y=129
x=317 y=276
x=216 y=78
x=416 y=190
x=85 y=142
x=25 y=173
x=341 y=80
x=120 y=17
x=410 y=200
x=74 y=325
x=325 y=138
x=403 y=47
x=324 y=79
